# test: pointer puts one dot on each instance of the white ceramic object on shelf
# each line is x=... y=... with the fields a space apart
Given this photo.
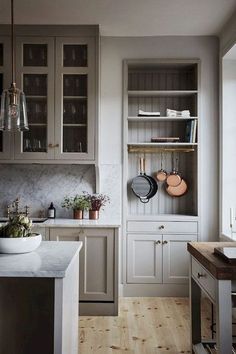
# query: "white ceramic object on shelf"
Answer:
x=20 y=244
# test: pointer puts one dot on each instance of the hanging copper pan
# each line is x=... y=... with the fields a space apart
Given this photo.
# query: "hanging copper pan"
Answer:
x=174 y=178
x=179 y=190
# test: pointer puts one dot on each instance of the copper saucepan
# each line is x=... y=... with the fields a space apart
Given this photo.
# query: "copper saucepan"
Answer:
x=179 y=190
x=161 y=175
x=174 y=178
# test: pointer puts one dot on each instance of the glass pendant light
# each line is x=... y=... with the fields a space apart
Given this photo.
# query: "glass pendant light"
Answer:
x=13 y=115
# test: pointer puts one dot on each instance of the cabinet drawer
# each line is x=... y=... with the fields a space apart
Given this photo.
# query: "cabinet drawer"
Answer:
x=204 y=278
x=189 y=227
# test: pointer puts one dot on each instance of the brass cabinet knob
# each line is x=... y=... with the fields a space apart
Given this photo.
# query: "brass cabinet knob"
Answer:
x=50 y=146
x=56 y=146
x=161 y=227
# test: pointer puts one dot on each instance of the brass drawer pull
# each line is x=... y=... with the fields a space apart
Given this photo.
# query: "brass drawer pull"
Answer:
x=164 y=242
x=200 y=275
x=161 y=227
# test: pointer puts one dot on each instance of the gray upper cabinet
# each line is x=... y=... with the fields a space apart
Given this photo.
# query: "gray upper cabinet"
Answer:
x=75 y=104
x=58 y=74
x=5 y=80
x=35 y=75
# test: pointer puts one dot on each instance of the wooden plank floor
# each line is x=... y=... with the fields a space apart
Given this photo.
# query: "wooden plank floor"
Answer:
x=144 y=326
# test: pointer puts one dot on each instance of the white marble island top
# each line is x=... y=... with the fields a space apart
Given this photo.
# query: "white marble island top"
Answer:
x=103 y=222
x=51 y=260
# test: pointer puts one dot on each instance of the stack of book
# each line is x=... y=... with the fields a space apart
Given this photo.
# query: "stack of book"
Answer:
x=191 y=131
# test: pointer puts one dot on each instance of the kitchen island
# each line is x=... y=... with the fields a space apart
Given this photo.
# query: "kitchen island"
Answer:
x=216 y=278
x=39 y=300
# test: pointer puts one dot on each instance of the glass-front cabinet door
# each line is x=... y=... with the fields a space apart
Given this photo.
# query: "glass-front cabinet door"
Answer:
x=75 y=104
x=35 y=75
x=5 y=81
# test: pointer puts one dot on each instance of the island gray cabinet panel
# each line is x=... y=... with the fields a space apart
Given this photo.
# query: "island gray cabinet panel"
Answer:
x=97 y=260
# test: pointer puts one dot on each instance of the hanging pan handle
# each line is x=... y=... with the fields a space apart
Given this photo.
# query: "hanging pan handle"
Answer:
x=142 y=165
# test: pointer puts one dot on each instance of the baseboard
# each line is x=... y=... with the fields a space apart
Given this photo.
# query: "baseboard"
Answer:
x=138 y=290
x=98 y=309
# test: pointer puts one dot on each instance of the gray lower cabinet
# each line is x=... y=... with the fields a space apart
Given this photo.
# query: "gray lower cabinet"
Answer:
x=98 y=266
x=158 y=258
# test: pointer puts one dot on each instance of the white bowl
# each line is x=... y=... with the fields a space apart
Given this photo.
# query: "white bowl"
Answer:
x=20 y=244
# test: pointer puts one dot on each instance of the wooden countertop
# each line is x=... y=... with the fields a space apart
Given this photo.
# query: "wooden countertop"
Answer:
x=203 y=252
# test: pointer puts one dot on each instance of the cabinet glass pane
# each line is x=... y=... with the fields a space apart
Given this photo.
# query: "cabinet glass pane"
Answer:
x=35 y=88
x=35 y=84
x=74 y=139
x=1 y=88
x=75 y=111
x=35 y=55
x=1 y=54
x=75 y=55
x=35 y=140
x=75 y=85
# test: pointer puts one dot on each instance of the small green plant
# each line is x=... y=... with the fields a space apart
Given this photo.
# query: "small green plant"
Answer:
x=79 y=202
x=96 y=201
x=17 y=226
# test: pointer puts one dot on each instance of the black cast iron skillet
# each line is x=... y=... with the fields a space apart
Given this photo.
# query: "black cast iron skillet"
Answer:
x=143 y=186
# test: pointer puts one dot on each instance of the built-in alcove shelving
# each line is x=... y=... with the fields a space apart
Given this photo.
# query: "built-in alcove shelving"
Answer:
x=155 y=86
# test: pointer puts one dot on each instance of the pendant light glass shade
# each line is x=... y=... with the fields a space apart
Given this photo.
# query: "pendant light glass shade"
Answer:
x=13 y=110
x=13 y=114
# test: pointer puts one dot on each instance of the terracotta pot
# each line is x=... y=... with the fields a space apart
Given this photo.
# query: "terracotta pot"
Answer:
x=78 y=214
x=93 y=214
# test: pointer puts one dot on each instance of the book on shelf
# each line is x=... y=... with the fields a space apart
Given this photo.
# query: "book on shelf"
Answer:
x=191 y=131
x=165 y=139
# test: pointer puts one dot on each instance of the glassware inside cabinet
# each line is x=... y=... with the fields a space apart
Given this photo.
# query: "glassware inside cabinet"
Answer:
x=75 y=113
x=1 y=54
x=35 y=88
x=75 y=55
x=35 y=55
x=74 y=138
x=1 y=88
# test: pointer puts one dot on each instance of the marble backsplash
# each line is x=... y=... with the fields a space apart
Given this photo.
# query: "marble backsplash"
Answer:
x=38 y=185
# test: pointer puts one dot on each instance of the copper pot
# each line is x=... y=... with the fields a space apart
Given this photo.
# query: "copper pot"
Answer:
x=93 y=214
x=78 y=214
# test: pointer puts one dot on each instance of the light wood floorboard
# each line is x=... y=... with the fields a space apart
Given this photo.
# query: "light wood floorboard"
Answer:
x=144 y=326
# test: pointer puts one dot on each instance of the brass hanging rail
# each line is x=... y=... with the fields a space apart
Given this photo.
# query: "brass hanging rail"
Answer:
x=154 y=149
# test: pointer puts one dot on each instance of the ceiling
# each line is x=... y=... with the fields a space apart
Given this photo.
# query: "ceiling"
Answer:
x=126 y=17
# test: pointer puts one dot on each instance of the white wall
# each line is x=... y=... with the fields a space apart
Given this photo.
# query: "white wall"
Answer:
x=113 y=51
x=228 y=142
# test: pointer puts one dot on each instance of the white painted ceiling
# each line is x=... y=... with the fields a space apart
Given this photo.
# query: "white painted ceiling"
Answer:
x=127 y=17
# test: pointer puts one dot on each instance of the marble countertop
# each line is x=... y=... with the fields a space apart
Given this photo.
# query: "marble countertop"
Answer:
x=103 y=222
x=51 y=260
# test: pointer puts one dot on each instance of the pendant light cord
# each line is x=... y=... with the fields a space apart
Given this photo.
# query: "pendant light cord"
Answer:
x=12 y=42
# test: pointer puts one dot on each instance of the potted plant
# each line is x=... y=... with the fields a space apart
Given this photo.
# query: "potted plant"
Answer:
x=96 y=201
x=16 y=235
x=78 y=204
